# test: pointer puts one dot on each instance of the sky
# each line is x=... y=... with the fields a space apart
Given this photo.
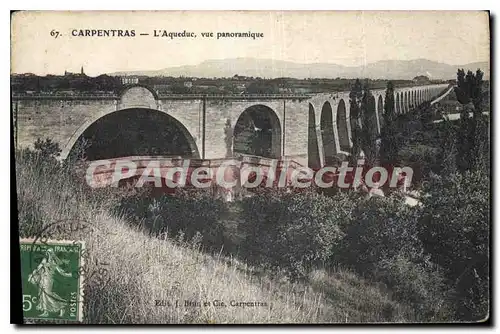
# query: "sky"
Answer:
x=350 y=38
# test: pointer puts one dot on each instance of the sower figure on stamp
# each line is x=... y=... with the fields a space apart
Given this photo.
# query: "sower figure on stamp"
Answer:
x=43 y=277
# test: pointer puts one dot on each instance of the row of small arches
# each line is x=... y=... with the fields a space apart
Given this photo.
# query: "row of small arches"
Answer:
x=335 y=123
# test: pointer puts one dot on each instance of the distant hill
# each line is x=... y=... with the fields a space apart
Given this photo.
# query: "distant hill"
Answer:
x=268 y=68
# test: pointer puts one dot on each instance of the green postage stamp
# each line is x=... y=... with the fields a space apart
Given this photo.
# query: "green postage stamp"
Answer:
x=51 y=272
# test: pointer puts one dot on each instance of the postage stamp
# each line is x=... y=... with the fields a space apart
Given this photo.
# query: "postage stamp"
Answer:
x=52 y=279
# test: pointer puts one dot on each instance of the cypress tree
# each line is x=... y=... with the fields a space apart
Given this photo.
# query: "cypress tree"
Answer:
x=368 y=126
x=389 y=106
x=389 y=147
x=469 y=93
x=355 y=98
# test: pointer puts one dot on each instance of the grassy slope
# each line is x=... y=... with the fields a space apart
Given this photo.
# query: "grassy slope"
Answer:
x=140 y=269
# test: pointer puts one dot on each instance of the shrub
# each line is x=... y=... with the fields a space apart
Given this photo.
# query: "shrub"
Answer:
x=190 y=213
x=47 y=148
x=421 y=158
x=381 y=242
x=380 y=228
x=454 y=230
x=292 y=232
x=135 y=202
x=421 y=285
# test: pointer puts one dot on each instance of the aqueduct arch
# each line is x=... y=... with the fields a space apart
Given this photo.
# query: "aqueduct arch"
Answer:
x=131 y=132
x=327 y=133
x=138 y=96
x=342 y=127
x=258 y=132
x=398 y=104
x=314 y=158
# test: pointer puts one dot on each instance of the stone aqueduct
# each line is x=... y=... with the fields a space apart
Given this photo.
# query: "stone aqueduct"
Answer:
x=302 y=125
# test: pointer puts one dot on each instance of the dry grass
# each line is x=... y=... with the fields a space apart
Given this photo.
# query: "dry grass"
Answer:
x=131 y=270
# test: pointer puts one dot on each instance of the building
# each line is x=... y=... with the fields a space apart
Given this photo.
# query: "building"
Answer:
x=82 y=73
x=128 y=80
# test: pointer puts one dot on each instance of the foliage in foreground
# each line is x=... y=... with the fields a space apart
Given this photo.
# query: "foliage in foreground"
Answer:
x=381 y=242
x=142 y=268
x=190 y=214
x=455 y=228
x=434 y=258
x=292 y=232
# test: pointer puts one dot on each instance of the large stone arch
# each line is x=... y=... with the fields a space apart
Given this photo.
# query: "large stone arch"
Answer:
x=132 y=132
x=257 y=131
x=343 y=127
x=327 y=133
x=313 y=153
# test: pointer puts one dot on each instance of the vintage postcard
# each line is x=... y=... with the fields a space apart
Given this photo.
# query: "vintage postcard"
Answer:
x=248 y=167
